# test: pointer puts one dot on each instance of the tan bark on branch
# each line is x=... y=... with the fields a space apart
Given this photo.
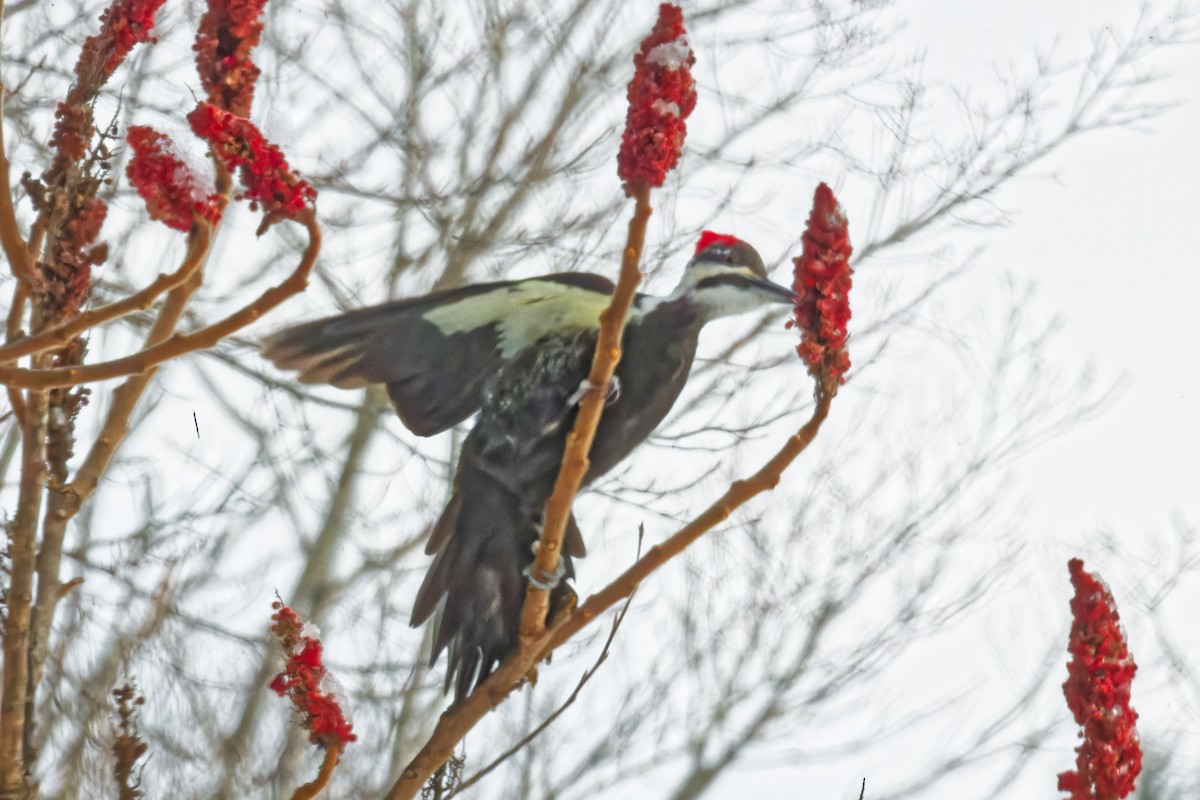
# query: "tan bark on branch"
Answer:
x=16 y=313
x=579 y=442
x=22 y=535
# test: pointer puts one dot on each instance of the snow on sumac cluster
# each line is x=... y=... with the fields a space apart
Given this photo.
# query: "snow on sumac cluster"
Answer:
x=174 y=194
x=314 y=692
x=264 y=172
x=661 y=96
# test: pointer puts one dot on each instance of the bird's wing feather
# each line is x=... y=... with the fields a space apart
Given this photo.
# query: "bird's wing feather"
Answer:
x=435 y=354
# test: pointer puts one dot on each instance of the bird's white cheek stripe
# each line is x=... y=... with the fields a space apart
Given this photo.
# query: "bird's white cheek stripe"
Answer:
x=523 y=313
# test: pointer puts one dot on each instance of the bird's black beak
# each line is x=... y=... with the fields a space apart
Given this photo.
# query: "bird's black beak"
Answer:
x=780 y=294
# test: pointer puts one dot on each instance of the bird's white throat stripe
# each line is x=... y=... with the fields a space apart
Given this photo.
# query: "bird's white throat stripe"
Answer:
x=522 y=313
x=713 y=302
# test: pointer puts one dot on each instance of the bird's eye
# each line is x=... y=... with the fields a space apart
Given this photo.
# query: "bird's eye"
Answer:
x=729 y=258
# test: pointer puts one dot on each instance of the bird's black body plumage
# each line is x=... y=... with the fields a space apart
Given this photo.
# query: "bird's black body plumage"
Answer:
x=517 y=352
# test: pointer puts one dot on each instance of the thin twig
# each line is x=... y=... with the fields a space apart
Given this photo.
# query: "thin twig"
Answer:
x=125 y=397
x=310 y=790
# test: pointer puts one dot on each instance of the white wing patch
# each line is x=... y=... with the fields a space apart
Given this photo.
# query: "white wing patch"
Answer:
x=523 y=312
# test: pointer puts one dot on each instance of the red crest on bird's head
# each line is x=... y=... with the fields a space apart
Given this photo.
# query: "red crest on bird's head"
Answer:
x=709 y=238
x=728 y=251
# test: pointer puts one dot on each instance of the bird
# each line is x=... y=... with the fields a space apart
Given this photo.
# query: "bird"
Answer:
x=516 y=353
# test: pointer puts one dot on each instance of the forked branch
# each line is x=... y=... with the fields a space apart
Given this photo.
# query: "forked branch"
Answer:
x=462 y=717
x=182 y=343
x=62 y=334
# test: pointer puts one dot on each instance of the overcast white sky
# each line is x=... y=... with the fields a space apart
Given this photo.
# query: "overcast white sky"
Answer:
x=1110 y=234
x=1113 y=241
x=1108 y=230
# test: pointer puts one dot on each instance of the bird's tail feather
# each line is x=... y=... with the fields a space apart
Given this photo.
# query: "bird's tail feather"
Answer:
x=484 y=542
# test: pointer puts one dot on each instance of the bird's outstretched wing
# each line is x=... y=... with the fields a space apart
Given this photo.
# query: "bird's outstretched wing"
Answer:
x=436 y=353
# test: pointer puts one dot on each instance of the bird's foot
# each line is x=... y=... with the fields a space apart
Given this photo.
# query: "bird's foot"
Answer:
x=585 y=386
x=573 y=401
x=614 y=391
x=543 y=580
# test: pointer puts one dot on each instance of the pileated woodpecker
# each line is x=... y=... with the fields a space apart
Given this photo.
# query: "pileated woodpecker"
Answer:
x=518 y=353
